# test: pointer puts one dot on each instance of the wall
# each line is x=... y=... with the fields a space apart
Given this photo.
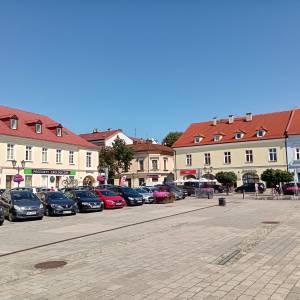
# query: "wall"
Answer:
x=293 y=142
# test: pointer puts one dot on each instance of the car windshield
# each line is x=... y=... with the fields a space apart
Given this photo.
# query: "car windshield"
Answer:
x=108 y=193
x=129 y=191
x=85 y=194
x=21 y=196
x=142 y=191
x=56 y=196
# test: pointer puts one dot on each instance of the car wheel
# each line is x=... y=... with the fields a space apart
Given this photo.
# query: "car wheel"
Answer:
x=47 y=212
x=11 y=217
x=40 y=218
x=1 y=222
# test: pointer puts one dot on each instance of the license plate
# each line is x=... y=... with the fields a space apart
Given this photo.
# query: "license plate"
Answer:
x=67 y=212
x=118 y=203
x=95 y=206
x=30 y=213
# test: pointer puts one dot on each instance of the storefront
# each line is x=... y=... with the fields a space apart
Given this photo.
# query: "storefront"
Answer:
x=188 y=174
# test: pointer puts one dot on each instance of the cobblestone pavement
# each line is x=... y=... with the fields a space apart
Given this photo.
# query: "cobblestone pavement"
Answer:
x=210 y=253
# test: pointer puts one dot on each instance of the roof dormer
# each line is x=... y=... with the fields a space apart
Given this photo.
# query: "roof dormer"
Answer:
x=36 y=125
x=11 y=121
x=239 y=134
x=261 y=132
x=198 y=138
x=218 y=136
x=57 y=127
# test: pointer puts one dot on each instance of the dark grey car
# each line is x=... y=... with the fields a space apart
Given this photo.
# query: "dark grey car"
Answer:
x=22 y=204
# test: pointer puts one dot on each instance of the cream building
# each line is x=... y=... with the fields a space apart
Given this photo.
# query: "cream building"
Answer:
x=245 y=145
x=48 y=153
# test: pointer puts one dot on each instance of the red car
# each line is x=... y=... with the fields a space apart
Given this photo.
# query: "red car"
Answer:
x=110 y=199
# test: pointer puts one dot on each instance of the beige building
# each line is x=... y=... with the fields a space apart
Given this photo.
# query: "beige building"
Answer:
x=48 y=153
x=245 y=145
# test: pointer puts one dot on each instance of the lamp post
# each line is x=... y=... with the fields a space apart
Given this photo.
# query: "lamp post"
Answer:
x=14 y=164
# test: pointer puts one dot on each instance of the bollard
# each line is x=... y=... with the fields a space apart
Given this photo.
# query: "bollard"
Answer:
x=222 y=201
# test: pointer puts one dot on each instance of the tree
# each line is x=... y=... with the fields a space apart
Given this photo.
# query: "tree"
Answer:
x=228 y=179
x=274 y=177
x=123 y=155
x=107 y=160
x=171 y=138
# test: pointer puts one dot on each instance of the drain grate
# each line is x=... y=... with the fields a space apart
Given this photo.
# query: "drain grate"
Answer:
x=224 y=259
x=270 y=222
x=53 y=264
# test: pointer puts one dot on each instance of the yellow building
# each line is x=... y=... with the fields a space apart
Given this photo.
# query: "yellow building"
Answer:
x=245 y=145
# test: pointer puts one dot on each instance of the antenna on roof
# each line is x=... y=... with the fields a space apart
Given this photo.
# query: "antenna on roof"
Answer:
x=134 y=132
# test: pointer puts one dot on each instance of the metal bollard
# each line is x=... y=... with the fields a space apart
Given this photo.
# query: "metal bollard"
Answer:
x=222 y=201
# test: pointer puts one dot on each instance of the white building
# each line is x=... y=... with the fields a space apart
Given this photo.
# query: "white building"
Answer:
x=49 y=152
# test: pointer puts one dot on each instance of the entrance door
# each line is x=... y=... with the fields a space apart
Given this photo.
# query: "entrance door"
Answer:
x=9 y=179
x=57 y=181
x=141 y=181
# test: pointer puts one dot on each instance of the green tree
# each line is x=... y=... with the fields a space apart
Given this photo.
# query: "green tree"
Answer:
x=228 y=179
x=107 y=160
x=123 y=155
x=171 y=138
x=275 y=176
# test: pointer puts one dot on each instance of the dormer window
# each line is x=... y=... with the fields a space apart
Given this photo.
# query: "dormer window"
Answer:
x=260 y=133
x=217 y=137
x=14 y=123
x=58 y=131
x=198 y=139
x=38 y=128
x=239 y=135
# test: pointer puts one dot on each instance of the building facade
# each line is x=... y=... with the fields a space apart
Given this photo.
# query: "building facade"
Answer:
x=245 y=145
x=48 y=154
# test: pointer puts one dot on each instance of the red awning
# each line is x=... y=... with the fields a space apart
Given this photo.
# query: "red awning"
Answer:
x=188 y=172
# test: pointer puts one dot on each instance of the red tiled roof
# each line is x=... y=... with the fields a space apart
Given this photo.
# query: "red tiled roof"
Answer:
x=24 y=130
x=274 y=124
x=293 y=127
x=100 y=135
x=151 y=148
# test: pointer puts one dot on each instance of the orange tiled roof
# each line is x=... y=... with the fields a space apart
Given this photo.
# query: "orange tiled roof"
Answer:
x=99 y=135
x=148 y=147
x=275 y=124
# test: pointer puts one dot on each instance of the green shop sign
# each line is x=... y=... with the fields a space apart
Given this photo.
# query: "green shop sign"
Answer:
x=48 y=172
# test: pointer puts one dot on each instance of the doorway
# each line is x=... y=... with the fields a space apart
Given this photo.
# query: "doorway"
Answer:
x=9 y=179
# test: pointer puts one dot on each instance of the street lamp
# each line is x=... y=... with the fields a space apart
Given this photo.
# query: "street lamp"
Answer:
x=14 y=164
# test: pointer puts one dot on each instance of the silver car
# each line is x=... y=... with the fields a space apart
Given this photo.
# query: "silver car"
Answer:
x=147 y=196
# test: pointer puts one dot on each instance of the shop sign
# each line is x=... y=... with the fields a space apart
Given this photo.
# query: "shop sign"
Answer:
x=188 y=172
x=153 y=176
x=18 y=178
x=49 y=172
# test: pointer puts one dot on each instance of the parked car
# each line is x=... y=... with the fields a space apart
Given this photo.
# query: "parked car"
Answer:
x=22 y=204
x=179 y=194
x=110 y=198
x=147 y=196
x=250 y=188
x=57 y=204
x=86 y=201
x=291 y=188
x=2 y=215
x=218 y=188
x=131 y=196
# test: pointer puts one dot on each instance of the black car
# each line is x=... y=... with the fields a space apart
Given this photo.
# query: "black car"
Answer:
x=57 y=204
x=250 y=188
x=86 y=201
x=131 y=196
x=22 y=204
x=2 y=215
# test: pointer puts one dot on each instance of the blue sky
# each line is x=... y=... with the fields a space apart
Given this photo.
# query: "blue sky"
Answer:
x=154 y=65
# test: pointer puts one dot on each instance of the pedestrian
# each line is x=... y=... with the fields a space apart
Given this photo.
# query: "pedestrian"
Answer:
x=256 y=189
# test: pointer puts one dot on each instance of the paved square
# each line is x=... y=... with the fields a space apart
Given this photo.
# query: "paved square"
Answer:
x=191 y=249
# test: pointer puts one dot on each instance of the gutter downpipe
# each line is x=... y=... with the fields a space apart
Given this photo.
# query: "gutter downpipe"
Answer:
x=175 y=164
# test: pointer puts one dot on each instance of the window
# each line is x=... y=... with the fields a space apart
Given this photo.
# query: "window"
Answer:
x=260 y=133
x=239 y=135
x=197 y=139
x=297 y=154
x=154 y=164
x=28 y=153
x=28 y=180
x=207 y=159
x=227 y=157
x=88 y=159
x=14 y=123
x=141 y=164
x=58 y=156
x=272 y=154
x=249 y=156
x=217 y=138
x=10 y=152
x=38 y=128
x=71 y=157
x=189 y=159
x=44 y=181
x=58 y=131
x=165 y=164
x=44 y=155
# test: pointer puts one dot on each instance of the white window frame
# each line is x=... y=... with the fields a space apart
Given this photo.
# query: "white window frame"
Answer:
x=249 y=156
x=188 y=160
x=71 y=157
x=10 y=151
x=88 y=162
x=28 y=153
x=44 y=155
x=207 y=159
x=197 y=139
x=297 y=154
x=154 y=168
x=239 y=135
x=141 y=164
x=273 y=155
x=218 y=138
x=14 y=123
x=58 y=131
x=260 y=133
x=227 y=157
x=38 y=128
x=58 y=157
x=165 y=164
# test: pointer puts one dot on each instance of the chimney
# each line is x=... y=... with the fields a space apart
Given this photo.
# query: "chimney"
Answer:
x=214 y=121
x=95 y=130
x=248 y=117
x=230 y=119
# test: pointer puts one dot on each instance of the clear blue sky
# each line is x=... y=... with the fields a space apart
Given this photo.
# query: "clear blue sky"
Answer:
x=151 y=65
